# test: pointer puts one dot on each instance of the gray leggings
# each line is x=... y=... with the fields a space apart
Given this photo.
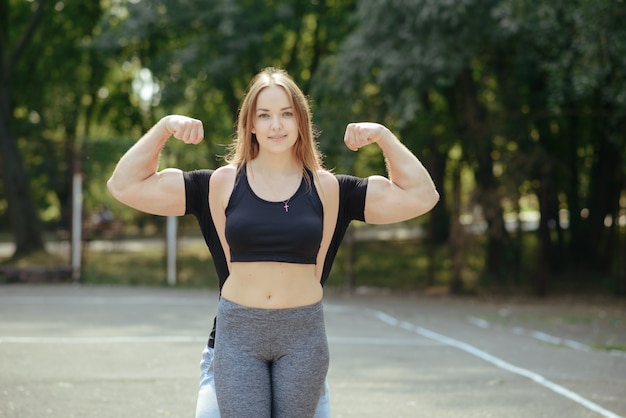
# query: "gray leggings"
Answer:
x=269 y=362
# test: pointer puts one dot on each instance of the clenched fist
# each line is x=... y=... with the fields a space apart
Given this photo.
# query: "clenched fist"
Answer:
x=360 y=134
x=184 y=128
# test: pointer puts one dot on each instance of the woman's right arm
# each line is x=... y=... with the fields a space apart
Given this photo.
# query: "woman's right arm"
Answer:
x=136 y=181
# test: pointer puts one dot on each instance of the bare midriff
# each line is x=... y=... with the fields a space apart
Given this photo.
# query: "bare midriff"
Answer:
x=272 y=285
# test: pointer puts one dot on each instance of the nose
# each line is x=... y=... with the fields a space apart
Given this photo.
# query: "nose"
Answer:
x=276 y=122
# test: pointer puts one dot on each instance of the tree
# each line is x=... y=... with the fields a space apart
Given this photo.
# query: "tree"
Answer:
x=414 y=51
x=50 y=84
x=203 y=57
x=22 y=213
x=569 y=84
x=535 y=96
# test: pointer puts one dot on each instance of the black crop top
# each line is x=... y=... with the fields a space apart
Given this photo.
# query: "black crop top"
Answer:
x=260 y=230
x=352 y=191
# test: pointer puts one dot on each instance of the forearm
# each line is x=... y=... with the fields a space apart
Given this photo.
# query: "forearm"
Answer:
x=141 y=161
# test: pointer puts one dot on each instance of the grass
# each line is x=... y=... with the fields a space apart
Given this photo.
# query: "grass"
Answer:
x=405 y=265
x=391 y=264
x=40 y=266
x=401 y=265
x=194 y=268
x=611 y=347
x=38 y=259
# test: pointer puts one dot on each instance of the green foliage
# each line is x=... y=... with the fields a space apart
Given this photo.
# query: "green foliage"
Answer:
x=527 y=101
x=541 y=103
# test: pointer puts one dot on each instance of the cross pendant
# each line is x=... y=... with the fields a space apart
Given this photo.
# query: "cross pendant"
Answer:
x=286 y=207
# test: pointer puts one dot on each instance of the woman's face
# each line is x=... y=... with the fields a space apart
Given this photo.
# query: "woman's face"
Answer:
x=275 y=124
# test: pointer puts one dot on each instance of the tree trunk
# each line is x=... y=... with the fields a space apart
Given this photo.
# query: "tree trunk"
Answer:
x=473 y=127
x=25 y=224
x=621 y=281
x=605 y=192
x=457 y=239
x=439 y=218
x=546 y=248
x=577 y=230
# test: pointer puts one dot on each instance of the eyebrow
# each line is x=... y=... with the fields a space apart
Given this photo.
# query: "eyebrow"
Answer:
x=267 y=110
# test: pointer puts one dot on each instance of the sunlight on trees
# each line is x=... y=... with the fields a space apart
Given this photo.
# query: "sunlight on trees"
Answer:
x=517 y=108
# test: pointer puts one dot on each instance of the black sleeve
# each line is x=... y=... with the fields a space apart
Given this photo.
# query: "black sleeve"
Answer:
x=352 y=192
x=197 y=204
x=196 y=191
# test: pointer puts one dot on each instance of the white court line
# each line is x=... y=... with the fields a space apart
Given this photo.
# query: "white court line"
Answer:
x=538 y=335
x=366 y=341
x=537 y=378
x=546 y=338
x=102 y=300
x=190 y=339
x=103 y=340
x=481 y=323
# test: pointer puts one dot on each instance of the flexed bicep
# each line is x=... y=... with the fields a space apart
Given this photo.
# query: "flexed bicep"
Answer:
x=136 y=181
x=387 y=203
x=161 y=194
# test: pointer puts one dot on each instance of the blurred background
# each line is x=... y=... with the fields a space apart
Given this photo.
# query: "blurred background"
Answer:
x=516 y=107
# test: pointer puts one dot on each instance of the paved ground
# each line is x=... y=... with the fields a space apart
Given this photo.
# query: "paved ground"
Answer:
x=80 y=351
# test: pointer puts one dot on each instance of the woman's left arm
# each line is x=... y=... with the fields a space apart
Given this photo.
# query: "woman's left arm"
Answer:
x=408 y=192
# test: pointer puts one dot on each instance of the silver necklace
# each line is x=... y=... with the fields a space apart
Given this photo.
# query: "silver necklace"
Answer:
x=285 y=202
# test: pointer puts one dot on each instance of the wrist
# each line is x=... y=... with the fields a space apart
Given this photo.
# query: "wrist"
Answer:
x=164 y=125
x=386 y=137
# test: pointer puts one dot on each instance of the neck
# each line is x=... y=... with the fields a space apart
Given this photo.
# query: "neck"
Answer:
x=276 y=166
x=276 y=183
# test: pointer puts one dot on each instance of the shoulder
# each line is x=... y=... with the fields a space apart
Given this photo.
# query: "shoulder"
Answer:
x=224 y=175
x=225 y=171
x=328 y=188
x=328 y=181
x=223 y=179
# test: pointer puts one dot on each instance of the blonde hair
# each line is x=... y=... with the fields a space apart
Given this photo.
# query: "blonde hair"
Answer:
x=245 y=146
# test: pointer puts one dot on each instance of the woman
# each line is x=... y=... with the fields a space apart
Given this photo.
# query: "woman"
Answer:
x=274 y=222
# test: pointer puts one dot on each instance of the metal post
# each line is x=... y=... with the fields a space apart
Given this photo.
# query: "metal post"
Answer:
x=171 y=226
x=77 y=225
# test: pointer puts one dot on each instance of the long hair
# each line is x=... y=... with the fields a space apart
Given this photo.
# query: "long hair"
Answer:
x=245 y=146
